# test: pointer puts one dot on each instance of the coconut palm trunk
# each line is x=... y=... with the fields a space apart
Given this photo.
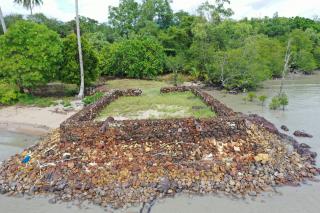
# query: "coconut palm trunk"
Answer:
x=81 y=92
x=3 y=24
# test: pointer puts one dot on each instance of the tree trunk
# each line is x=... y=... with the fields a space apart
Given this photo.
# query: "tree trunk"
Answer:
x=223 y=63
x=286 y=66
x=81 y=92
x=4 y=28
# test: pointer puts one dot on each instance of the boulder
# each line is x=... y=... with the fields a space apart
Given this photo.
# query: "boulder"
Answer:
x=284 y=128
x=302 y=134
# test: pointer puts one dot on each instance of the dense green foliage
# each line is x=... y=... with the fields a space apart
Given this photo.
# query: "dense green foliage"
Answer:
x=135 y=58
x=30 y=55
x=9 y=94
x=304 y=43
x=70 y=66
x=143 y=39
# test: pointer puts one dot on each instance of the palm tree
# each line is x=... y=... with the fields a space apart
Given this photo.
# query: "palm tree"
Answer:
x=29 y=4
x=4 y=28
x=81 y=92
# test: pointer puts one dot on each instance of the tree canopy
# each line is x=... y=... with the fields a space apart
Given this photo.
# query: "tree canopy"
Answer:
x=30 y=54
x=135 y=58
x=69 y=72
x=143 y=39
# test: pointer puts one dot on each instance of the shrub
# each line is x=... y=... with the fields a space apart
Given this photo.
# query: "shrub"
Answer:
x=262 y=99
x=9 y=94
x=246 y=67
x=70 y=70
x=251 y=96
x=302 y=45
x=135 y=58
x=279 y=100
x=275 y=104
x=283 y=100
x=316 y=53
x=92 y=99
x=30 y=55
x=306 y=62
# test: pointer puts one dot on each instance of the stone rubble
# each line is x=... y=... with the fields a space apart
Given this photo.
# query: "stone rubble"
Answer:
x=120 y=163
x=121 y=173
x=284 y=128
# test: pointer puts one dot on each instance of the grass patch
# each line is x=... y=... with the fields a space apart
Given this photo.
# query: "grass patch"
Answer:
x=151 y=105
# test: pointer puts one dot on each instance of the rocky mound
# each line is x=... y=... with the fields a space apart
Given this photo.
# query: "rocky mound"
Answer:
x=128 y=172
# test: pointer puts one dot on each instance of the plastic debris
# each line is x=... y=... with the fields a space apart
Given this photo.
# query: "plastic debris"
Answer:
x=26 y=159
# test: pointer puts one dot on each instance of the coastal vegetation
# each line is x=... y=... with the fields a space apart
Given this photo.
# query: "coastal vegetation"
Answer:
x=145 y=40
x=279 y=101
x=262 y=99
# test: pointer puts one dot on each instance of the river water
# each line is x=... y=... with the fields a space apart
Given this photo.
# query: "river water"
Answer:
x=303 y=113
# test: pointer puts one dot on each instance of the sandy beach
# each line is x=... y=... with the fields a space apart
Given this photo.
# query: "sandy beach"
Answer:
x=32 y=120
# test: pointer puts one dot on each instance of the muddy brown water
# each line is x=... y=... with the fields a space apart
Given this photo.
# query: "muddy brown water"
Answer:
x=303 y=113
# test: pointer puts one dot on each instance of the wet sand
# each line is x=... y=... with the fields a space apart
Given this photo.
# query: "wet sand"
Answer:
x=21 y=127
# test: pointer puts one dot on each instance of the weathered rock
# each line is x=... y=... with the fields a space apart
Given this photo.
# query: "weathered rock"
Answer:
x=302 y=134
x=258 y=120
x=164 y=185
x=263 y=158
x=3 y=190
x=304 y=146
x=61 y=185
x=252 y=193
x=236 y=149
x=66 y=156
x=284 y=128
x=53 y=201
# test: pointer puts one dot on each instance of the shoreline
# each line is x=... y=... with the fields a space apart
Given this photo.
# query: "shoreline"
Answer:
x=32 y=120
x=25 y=128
